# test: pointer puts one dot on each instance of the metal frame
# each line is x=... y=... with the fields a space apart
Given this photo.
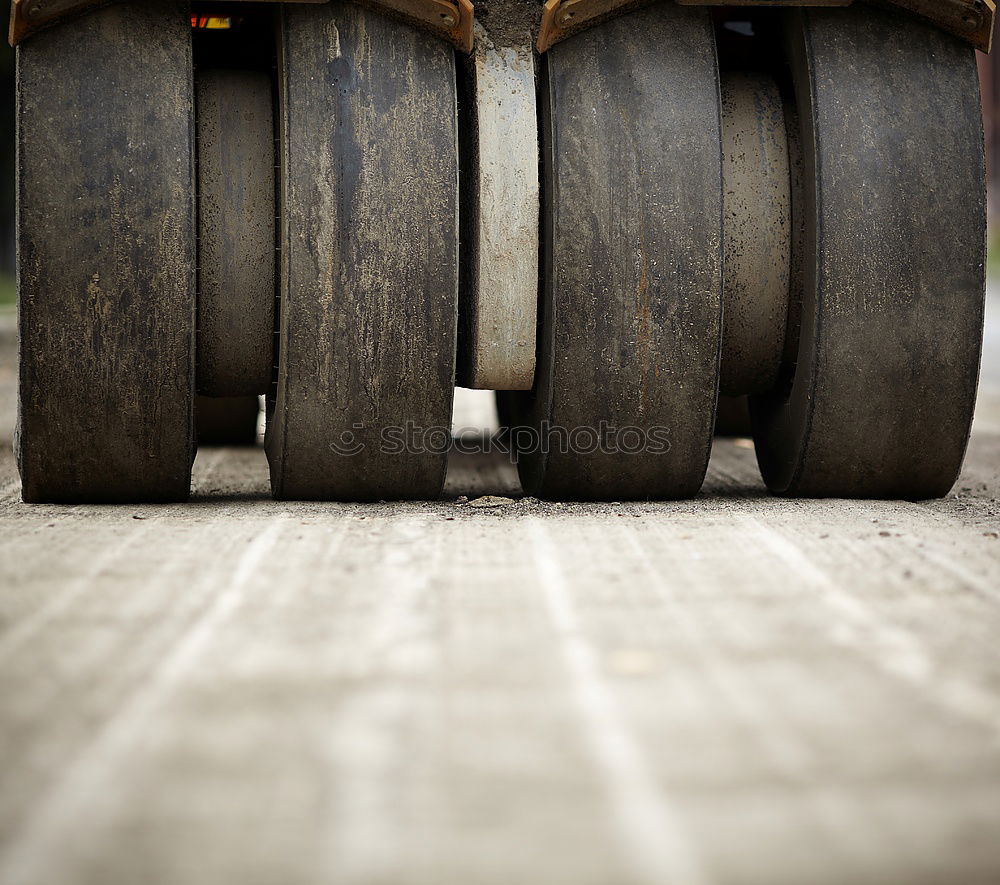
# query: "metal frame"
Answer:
x=452 y=20
x=449 y=19
x=971 y=20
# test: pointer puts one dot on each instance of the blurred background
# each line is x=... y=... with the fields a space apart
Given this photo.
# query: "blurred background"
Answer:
x=7 y=291
x=989 y=76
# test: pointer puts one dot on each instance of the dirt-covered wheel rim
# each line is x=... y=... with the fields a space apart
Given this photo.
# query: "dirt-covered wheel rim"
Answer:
x=624 y=400
x=878 y=399
x=361 y=408
x=106 y=224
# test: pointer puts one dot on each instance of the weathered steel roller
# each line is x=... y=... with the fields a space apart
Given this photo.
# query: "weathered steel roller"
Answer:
x=609 y=211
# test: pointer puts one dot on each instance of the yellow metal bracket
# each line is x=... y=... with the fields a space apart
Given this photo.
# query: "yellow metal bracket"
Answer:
x=971 y=20
x=452 y=20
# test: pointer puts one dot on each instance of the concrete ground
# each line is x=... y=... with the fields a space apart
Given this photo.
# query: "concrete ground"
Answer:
x=735 y=689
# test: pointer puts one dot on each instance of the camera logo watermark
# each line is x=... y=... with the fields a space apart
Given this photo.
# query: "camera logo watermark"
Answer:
x=512 y=442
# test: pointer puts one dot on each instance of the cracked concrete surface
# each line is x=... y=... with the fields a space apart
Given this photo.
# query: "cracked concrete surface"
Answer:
x=734 y=689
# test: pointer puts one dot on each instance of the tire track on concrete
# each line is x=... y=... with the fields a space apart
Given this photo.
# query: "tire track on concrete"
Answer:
x=66 y=801
x=30 y=626
x=364 y=838
x=859 y=842
x=902 y=655
x=655 y=842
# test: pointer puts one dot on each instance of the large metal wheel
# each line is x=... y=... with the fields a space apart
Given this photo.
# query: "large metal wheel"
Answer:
x=879 y=397
x=624 y=401
x=107 y=256
x=500 y=191
x=369 y=283
x=236 y=237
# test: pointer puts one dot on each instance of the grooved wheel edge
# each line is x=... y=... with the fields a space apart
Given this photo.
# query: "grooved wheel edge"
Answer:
x=882 y=393
x=107 y=257
x=369 y=283
x=631 y=313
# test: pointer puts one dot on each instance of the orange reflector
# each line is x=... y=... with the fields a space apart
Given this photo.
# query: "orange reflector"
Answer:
x=211 y=22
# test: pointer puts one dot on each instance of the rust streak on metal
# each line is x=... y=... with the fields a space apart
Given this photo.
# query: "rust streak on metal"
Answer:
x=451 y=19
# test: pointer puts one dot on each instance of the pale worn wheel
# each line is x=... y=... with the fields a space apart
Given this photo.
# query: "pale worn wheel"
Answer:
x=369 y=287
x=624 y=401
x=500 y=193
x=107 y=256
x=878 y=398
